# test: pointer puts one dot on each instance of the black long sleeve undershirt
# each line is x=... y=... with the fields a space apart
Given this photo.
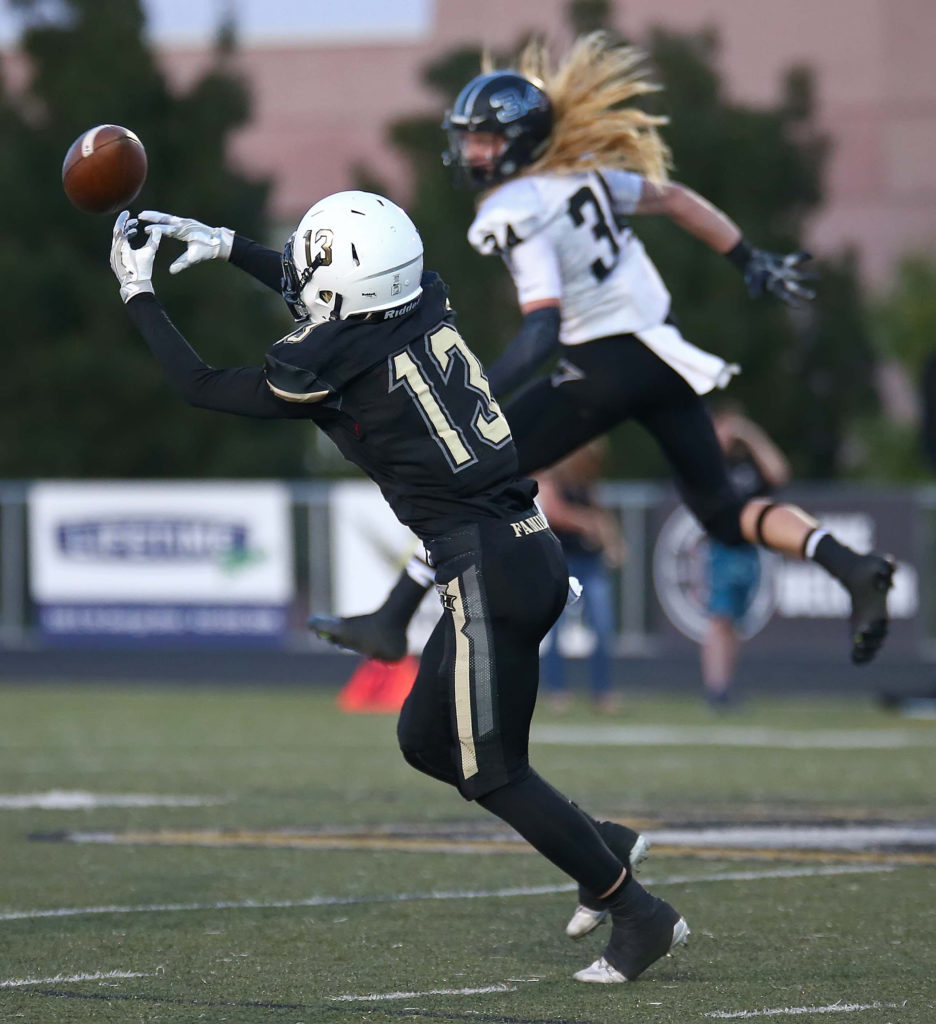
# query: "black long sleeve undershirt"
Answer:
x=534 y=343
x=261 y=262
x=242 y=390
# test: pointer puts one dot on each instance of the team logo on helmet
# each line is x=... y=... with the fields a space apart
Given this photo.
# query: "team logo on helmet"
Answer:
x=322 y=256
x=510 y=104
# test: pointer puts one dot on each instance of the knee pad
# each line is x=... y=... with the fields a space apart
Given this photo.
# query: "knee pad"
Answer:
x=725 y=525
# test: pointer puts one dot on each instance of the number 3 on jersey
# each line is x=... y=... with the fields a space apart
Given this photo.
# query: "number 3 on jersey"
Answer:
x=599 y=229
x=482 y=416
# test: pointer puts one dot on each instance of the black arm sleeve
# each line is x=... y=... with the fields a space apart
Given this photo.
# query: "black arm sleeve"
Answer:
x=242 y=390
x=537 y=339
x=261 y=262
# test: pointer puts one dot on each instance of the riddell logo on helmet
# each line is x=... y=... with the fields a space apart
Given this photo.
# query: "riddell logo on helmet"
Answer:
x=402 y=310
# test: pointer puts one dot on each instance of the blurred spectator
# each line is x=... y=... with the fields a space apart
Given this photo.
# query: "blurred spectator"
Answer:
x=592 y=543
x=928 y=431
x=757 y=467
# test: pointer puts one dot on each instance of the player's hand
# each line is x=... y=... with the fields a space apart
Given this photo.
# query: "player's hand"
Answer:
x=783 y=276
x=133 y=267
x=202 y=242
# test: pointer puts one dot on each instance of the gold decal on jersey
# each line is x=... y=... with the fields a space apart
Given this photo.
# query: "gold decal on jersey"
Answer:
x=534 y=524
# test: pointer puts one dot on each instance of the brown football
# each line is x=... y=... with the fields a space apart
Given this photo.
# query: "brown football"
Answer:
x=104 y=169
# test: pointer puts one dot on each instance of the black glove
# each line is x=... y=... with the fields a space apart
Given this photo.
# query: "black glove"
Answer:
x=783 y=276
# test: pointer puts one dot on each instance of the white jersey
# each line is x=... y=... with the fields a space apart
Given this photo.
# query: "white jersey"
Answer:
x=565 y=237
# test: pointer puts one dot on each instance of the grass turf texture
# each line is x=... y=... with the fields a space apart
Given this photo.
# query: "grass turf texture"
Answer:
x=284 y=759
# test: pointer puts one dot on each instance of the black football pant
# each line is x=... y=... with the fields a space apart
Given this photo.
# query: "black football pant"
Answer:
x=605 y=382
x=467 y=719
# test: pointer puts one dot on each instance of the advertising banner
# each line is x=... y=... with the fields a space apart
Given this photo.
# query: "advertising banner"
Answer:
x=795 y=607
x=161 y=560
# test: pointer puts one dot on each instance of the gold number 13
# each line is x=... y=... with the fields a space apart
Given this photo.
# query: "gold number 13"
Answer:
x=489 y=423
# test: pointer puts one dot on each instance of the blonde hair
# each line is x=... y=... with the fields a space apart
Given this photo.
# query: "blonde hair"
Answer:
x=593 y=125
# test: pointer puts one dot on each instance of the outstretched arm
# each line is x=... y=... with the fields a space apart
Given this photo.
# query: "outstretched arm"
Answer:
x=242 y=390
x=763 y=271
x=207 y=243
x=692 y=213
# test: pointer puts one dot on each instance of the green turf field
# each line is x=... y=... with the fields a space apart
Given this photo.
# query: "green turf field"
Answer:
x=313 y=876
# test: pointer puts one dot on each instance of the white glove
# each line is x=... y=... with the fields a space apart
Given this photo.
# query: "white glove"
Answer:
x=203 y=243
x=133 y=267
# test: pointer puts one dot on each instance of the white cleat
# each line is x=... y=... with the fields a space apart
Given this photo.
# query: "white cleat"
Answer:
x=602 y=973
x=585 y=920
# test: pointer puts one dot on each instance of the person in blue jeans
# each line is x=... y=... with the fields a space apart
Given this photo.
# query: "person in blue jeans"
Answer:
x=592 y=544
x=757 y=468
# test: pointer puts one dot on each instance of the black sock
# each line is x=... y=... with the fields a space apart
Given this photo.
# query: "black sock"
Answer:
x=835 y=557
x=558 y=829
x=402 y=601
x=629 y=896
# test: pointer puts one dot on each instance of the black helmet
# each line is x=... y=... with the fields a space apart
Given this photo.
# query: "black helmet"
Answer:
x=510 y=105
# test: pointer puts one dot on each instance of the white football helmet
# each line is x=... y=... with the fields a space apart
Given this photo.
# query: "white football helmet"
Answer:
x=352 y=253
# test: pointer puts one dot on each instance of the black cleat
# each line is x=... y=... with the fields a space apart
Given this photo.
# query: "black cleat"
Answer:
x=633 y=849
x=868 y=586
x=644 y=928
x=366 y=634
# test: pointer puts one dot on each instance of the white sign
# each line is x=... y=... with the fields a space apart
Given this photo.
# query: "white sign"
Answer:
x=680 y=576
x=223 y=543
x=369 y=549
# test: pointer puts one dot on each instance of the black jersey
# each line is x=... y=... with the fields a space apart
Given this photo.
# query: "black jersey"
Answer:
x=402 y=397
x=407 y=401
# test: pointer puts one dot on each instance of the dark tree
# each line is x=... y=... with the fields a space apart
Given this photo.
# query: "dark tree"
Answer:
x=81 y=395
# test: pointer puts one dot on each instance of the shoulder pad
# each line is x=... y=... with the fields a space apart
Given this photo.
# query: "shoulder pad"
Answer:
x=294 y=383
x=507 y=217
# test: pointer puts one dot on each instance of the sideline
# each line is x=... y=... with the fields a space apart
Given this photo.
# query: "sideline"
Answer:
x=731 y=736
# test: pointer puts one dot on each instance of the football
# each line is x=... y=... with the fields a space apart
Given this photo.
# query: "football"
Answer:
x=104 y=169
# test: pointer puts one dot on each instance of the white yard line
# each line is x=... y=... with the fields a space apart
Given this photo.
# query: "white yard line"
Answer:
x=375 y=997
x=855 y=838
x=80 y=800
x=731 y=736
x=97 y=976
x=343 y=901
x=756 y=876
x=799 y=1011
